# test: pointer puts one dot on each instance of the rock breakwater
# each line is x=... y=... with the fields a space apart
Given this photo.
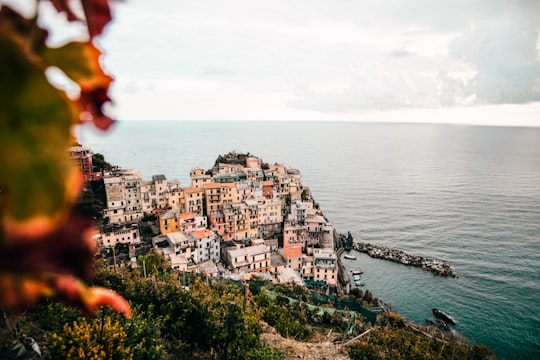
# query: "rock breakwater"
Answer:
x=437 y=267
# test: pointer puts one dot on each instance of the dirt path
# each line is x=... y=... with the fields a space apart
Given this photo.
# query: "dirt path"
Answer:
x=318 y=349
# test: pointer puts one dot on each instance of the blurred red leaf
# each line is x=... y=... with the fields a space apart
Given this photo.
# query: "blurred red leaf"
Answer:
x=62 y=6
x=98 y=14
x=18 y=291
x=65 y=249
x=91 y=104
x=80 y=62
x=74 y=292
x=44 y=248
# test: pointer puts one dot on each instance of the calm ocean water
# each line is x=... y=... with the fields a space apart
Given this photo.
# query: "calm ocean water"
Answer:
x=467 y=195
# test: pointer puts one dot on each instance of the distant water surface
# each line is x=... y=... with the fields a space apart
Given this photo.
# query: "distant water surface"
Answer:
x=467 y=195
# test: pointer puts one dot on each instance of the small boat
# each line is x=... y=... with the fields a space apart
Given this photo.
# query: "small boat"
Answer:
x=359 y=283
x=356 y=277
x=357 y=271
x=441 y=314
x=350 y=257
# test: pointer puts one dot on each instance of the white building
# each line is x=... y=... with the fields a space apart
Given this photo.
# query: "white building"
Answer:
x=189 y=222
x=181 y=244
x=162 y=191
x=299 y=211
x=155 y=193
x=325 y=265
x=287 y=275
x=206 y=245
x=123 y=192
x=114 y=234
x=269 y=217
x=249 y=259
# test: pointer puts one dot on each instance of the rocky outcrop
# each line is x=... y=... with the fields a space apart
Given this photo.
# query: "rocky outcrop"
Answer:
x=381 y=252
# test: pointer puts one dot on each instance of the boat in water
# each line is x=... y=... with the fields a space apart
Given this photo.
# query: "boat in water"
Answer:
x=443 y=315
x=357 y=271
x=350 y=257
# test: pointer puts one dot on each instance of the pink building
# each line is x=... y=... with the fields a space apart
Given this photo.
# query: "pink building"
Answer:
x=82 y=156
x=294 y=235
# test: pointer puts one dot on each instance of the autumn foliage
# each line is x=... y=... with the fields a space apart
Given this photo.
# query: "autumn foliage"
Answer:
x=45 y=248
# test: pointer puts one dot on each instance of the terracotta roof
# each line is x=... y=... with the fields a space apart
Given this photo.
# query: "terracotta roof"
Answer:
x=294 y=252
x=199 y=234
x=185 y=215
x=192 y=190
x=212 y=185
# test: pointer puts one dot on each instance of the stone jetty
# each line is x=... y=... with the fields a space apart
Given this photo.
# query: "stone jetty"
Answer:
x=435 y=266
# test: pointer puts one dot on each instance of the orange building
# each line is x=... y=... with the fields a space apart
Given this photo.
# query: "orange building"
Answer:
x=193 y=200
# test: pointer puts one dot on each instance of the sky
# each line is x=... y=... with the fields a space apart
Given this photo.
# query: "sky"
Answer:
x=458 y=61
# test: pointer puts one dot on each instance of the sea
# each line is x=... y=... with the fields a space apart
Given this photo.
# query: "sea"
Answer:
x=467 y=195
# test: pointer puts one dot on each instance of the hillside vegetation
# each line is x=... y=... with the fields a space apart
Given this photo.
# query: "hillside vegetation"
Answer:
x=179 y=316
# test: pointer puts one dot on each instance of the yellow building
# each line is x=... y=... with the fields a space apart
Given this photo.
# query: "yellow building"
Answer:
x=168 y=222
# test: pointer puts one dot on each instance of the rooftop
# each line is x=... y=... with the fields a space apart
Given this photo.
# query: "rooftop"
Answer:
x=250 y=250
x=186 y=215
x=177 y=237
x=190 y=190
x=292 y=253
x=169 y=214
x=200 y=234
x=325 y=254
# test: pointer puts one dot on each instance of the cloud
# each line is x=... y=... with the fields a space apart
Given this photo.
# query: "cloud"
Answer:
x=483 y=53
x=400 y=53
x=316 y=56
x=504 y=54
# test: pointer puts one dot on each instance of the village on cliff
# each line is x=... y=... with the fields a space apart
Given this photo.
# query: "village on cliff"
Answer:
x=239 y=219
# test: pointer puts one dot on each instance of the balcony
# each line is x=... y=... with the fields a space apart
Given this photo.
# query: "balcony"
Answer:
x=325 y=266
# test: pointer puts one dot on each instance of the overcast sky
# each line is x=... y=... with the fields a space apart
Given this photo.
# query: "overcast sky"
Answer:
x=413 y=60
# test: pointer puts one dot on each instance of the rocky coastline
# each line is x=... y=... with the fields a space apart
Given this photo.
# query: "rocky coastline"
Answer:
x=435 y=266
